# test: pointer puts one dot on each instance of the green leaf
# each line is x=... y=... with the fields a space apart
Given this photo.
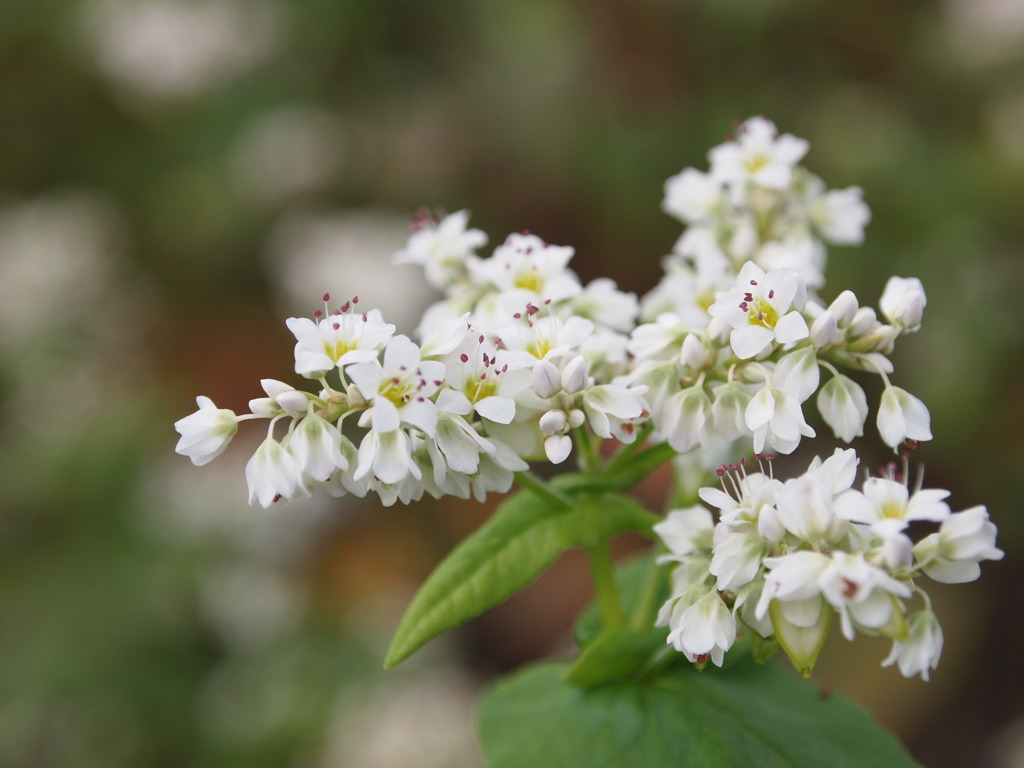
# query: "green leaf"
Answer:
x=522 y=538
x=747 y=715
x=615 y=654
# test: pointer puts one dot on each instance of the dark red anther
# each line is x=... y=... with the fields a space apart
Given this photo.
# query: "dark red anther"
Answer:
x=365 y=318
x=701 y=658
x=753 y=282
x=318 y=314
x=531 y=310
x=720 y=471
x=481 y=338
x=517 y=315
x=504 y=367
x=464 y=357
x=327 y=297
x=771 y=294
x=355 y=299
x=850 y=588
x=335 y=326
x=345 y=307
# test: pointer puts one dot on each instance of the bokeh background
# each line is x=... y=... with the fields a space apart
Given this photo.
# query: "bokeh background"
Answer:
x=177 y=176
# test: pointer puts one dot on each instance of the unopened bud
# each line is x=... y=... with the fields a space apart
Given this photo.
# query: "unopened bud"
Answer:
x=575 y=375
x=546 y=379
x=694 y=353
x=844 y=307
x=552 y=423
x=825 y=329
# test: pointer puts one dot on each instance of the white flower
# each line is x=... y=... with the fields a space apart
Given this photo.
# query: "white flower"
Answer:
x=841 y=215
x=272 y=473
x=759 y=155
x=685 y=531
x=206 y=433
x=337 y=340
x=442 y=247
x=902 y=416
x=903 y=302
x=736 y=558
x=316 y=446
x=761 y=309
x=844 y=406
x=923 y=648
x=388 y=456
x=603 y=303
x=608 y=406
x=682 y=418
x=888 y=507
x=691 y=195
x=704 y=630
x=964 y=539
x=399 y=388
x=776 y=419
x=528 y=269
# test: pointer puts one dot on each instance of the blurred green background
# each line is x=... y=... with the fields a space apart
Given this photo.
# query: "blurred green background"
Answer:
x=177 y=176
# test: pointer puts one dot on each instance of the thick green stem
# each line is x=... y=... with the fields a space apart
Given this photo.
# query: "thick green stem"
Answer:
x=646 y=608
x=603 y=573
x=587 y=456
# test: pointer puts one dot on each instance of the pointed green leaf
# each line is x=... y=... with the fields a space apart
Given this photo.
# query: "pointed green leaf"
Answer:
x=615 y=654
x=746 y=715
x=522 y=538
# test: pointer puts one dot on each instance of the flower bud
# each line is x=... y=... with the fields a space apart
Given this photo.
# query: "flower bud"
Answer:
x=898 y=552
x=546 y=379
x=903 y=302
x=825 y=329
x=552 y=423
x=844 y=407
x=901 y=415
x=576 y=418
x=575 y=375
x=694 y=353
x=844 y=307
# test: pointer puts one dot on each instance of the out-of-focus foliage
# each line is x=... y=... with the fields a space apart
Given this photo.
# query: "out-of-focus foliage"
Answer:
x=176 y=176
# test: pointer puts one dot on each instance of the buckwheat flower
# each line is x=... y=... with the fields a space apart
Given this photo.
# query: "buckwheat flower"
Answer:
x=692 y=196
x=386 y=456
x=545 y=338
x=888 y=506
x=609 y=405
x=682 y=419
x=758 y=155
x=964 y=539
x=206 y=433
x=903 y=302
x=750 y=495
x=844 y=406
x=398 y=388
x=775 y=417
x=460 y=444
x=479 y=374
x=737 y=557
x=861 y=593
x=921 y=651
x=840 y=215
x=728 y=408
x=902 y=416
x=704 y=630
x=337 y=341
x=316 y=447
x=528 y=269
x=606 y=306
x=761 y=309
x=441 y=247
x=805 y=508
x=685 y=531
x=272 y=474
x=281 y=398
x=795 y=577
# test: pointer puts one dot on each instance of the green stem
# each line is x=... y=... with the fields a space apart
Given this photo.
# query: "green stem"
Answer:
x=588 y=459
x=538 y=487
x=643 y=614
x=602 y=571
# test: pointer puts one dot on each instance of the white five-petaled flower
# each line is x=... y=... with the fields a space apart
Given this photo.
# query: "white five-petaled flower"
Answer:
x=337 y=340
x=206 y=433
x=964 y=539
x=442 y=248
x=704 y=630
x=888 y=506
x=759 y=155
x=762 y=308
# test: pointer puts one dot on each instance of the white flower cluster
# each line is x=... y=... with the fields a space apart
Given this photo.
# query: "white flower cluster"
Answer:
x=784 y=558
x=504 y=373
x=520 y=361
x=737 y=336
